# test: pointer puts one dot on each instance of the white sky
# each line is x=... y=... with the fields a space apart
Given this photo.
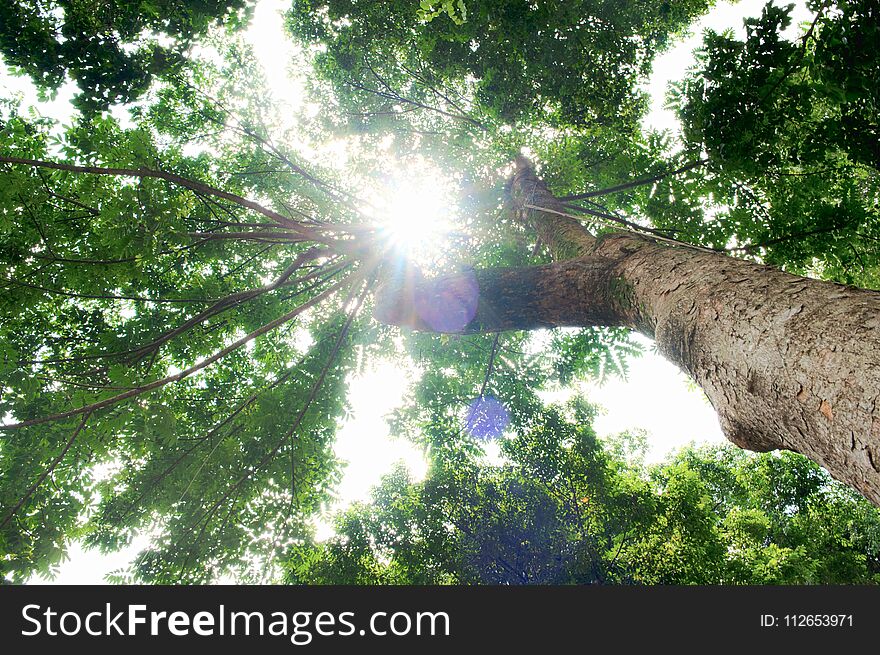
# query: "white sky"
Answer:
x=656 y=397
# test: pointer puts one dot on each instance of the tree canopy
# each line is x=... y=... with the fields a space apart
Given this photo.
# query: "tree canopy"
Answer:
x=791 y=129
x=565 y=510
x=186 y=292
x=111 y=49
x=566 y=63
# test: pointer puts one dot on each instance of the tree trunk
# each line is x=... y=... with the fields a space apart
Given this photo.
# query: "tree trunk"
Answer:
x=787 y=362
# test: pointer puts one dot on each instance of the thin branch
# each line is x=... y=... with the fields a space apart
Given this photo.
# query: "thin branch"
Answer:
x=802 y=51
x=34 y=220
x=277 y=237
x=271 y=149
x=799 y=235
x=248 y=260
x=325 y=272
x=92 y=210
x=655 y=234
x=491 y=363
x=155 y=480
x=636 y=183
x=193 y=185
x=96 y=262
x=258 y=226
x=48 y=470
x=183 y=374
x=299 y=418
x=433 y=89
x=391 y=94
x=614 y=218
x=226 y=303
x=86 y=296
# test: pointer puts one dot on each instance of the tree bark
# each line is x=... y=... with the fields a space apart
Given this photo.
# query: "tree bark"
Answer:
x=787 y=362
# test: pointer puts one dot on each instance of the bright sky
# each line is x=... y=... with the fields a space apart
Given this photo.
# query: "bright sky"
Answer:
x=656 y=398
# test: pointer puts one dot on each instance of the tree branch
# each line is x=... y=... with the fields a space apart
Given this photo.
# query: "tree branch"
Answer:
x=192 y=185
x=636 y=183
x=297 y=421
x=573 y=292
x=48 y=471
x=183 y=374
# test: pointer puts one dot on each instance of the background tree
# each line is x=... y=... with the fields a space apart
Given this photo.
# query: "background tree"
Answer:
x=185 y=296
x=792 y=137
x=562 y=509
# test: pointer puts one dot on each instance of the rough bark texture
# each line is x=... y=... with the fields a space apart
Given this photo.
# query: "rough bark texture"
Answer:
x=572 y=292
x=565 y=237
x=787 y=362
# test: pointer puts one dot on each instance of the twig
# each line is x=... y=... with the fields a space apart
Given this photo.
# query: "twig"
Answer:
x=491 y=363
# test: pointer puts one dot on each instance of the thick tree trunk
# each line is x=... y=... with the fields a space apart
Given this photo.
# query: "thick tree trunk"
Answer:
x=787 y=362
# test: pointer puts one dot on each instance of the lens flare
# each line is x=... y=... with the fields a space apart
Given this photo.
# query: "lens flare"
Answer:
x=448 y=304
x=486 y=418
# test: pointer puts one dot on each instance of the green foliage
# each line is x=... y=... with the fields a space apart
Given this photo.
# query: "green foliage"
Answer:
x=570 y=63
x=111 y=49
x=561 y=509
x=469 y=523
x=792 y=135
x=455 y=9
x=98 y=271
x=592 y=353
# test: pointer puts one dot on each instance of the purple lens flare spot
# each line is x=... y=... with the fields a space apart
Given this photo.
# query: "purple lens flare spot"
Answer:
x=448 y=304
x=486 y=418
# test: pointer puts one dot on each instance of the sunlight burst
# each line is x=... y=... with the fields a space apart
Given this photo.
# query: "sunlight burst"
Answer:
x=417 y=219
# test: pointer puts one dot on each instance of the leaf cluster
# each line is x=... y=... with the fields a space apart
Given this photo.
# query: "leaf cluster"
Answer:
x=112 y=49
